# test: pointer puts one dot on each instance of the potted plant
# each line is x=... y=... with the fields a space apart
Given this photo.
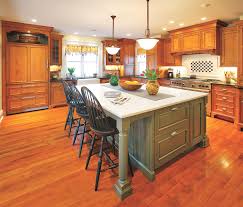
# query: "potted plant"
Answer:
x=152 y=85
x=71 y=71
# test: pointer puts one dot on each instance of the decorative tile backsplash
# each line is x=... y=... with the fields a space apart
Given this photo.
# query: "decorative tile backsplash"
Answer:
x=202 y=66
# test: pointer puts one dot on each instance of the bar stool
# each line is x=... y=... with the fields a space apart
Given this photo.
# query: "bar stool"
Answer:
x=70 y=120
x=81 y=111
x=102 y=129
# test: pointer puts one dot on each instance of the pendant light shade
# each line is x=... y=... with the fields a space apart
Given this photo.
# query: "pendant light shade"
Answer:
x=113 y=49
x=147 y=43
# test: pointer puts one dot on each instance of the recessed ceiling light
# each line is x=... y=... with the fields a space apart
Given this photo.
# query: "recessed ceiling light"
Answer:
x=205 y=5
x=94 y=35
x=75 y=33
x=33 y=20
x=171 y=21
x=164 y=29
x=128 y=35
x=181 y=24
x=203 y=18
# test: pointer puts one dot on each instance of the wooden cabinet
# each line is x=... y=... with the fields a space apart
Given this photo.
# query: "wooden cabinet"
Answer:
x=168 y=58
x=104 y=80
x=240 y=62
x=57 y=94
x=229 y=47
x=39 y=68
x=17 y=56
x=56 y=49
x=154 y=57
x=224 y=101
x=27 y=77
x=164 y=82
x=201 y=38
x=191 y=41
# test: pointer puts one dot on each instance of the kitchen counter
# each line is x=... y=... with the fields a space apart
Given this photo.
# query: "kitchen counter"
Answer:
x=154 y=129
x=227 y=84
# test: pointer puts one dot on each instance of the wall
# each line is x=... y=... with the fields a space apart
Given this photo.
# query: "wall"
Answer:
x=0 y=69
x=86 y=41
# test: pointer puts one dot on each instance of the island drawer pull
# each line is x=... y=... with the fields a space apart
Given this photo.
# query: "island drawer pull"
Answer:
x=174 y=109
x=174 y=133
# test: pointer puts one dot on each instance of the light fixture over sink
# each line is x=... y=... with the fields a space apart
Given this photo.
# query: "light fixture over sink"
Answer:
x=113 y=49
x=147 y=43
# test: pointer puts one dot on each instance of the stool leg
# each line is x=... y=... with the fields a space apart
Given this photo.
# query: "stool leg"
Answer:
x=99 y=165
x=67 y=119
x=90 y=152
x=130 y=165
x=82 y=140
x=71 y=121
x=76 y=132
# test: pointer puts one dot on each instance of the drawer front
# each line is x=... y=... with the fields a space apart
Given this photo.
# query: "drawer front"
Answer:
x=27 y=89
x=172 y=142
x=227 y=99
x=224 y=110
x=171 y=115
x=57 y=94
x=41 y=100
x=224 y=90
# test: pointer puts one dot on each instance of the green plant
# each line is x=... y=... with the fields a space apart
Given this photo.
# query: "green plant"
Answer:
x=71 y=70
x=151 y=74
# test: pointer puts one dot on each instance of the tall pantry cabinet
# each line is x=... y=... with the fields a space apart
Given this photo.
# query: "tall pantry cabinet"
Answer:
x=25 y=67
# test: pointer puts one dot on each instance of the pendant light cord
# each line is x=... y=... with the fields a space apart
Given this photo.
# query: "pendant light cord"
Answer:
x=147 y=32
x=113 y=25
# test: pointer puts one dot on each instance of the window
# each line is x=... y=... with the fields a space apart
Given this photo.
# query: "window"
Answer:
x=141 y=63
x=85 y=63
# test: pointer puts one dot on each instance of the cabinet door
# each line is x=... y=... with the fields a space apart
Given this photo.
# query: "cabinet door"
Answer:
x=17 y=60
x=191 y=41
x=176 y=43
x=57 y=94
x=208 y=39
x=38 y=64
x=229 y=53
x=56 y=51
x=168 y=58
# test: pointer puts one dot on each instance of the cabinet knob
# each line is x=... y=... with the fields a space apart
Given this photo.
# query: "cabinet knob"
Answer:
x=224 y=109
x=224 y=98
x=174 y=133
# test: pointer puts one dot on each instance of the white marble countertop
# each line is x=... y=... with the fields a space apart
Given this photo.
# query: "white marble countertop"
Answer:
x=138 y=105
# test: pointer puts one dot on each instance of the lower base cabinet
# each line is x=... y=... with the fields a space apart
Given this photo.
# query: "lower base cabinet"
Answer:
x=57 y=94
x=26 y=97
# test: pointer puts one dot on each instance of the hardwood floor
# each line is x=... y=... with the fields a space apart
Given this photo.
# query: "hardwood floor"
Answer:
x=39 y=167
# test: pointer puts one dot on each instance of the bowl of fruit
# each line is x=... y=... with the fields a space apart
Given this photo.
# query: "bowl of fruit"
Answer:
x=130 y=85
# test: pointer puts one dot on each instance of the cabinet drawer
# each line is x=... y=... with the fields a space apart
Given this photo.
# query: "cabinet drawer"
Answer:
x=228 y=99
x=224 y=110
x=171 y=142
x=224 y=90
x=171 y=115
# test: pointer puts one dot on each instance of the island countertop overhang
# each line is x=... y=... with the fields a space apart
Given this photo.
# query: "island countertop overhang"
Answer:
x=139 y=105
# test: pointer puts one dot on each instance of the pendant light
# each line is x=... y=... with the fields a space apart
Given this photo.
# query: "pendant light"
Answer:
x=147 y=43
x=113 y=49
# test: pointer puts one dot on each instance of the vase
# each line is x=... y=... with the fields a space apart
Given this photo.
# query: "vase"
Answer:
x=114 y=80
x=152 y=87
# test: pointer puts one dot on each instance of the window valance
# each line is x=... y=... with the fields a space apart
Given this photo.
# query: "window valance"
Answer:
x=81 y=49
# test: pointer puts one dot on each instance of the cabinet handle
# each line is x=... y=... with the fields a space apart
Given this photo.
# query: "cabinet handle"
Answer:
x=174 y=133
x=29 y=97
x=224 y=89
x=224 y=109
x=224 y=98
x=174 y=109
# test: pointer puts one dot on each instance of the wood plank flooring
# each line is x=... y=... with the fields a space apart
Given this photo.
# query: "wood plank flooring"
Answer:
x=39 y=167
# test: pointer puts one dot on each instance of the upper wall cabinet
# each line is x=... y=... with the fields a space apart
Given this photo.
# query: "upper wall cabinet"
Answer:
x=201 y=38
x=56 y=49
x=229 y=48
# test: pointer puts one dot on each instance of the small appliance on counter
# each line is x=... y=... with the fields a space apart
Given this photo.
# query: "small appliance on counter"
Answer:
x=170 y=73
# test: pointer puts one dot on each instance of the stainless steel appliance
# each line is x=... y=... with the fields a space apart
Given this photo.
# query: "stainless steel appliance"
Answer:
x=170 y=73
x=203 y=85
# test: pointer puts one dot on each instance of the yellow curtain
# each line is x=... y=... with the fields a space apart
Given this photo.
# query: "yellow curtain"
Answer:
x=81 y=49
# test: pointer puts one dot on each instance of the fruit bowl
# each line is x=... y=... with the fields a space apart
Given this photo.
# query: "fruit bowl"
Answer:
x=130 y=85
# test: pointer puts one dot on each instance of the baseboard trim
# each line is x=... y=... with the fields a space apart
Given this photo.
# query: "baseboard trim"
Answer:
x=1 y=115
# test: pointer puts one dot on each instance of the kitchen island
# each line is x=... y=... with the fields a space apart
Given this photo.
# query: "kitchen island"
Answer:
x=154 y=129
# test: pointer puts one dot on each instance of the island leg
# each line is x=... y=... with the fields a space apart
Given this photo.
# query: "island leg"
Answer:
x=205 y=141
x=123 y=185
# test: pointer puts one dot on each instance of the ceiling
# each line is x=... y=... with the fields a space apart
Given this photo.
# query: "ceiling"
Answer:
x=92 y=17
